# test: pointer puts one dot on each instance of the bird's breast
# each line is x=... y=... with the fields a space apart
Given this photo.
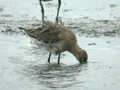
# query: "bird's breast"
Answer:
x=54 y=48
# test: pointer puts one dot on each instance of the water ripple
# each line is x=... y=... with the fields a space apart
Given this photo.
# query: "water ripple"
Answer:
x=54 y=75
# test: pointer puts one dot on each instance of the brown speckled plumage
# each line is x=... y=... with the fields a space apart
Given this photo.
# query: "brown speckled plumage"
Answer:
x=59 y=37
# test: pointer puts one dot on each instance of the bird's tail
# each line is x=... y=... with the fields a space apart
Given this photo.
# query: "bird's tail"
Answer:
x=30 y=32
x=22 y=28
x=26 y=30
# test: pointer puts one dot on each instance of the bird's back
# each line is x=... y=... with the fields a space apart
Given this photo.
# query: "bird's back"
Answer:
x=54 y=35
x=49 y=33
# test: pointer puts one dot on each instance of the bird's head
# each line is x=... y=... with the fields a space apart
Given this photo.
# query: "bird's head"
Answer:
x=80 y=54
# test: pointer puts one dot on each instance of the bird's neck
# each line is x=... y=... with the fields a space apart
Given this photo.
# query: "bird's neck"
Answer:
x=75 y=50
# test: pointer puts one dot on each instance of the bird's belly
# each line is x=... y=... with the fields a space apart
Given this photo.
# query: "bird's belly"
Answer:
x=53 y=48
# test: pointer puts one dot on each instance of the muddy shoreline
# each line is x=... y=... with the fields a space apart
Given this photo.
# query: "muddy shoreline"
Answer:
x=88 y=28
x=82 y=17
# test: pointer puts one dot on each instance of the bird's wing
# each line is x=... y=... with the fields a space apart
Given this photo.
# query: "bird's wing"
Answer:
x=49 y=34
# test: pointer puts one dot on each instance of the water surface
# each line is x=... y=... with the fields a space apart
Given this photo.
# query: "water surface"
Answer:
x=23 y=65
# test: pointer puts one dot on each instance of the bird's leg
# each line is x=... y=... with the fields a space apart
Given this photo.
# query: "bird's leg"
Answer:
x=59 y=58
x=49 y=57
x=42 y=10
x=59 y=4
x=49 y=51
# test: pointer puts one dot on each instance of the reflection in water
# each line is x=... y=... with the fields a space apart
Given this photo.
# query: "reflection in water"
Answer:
x=54 y=75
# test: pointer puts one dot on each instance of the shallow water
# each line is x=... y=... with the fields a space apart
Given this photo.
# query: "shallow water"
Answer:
x=102 y=9
x=23 y=65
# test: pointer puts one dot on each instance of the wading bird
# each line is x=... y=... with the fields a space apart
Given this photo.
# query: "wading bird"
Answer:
x=58 y=38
